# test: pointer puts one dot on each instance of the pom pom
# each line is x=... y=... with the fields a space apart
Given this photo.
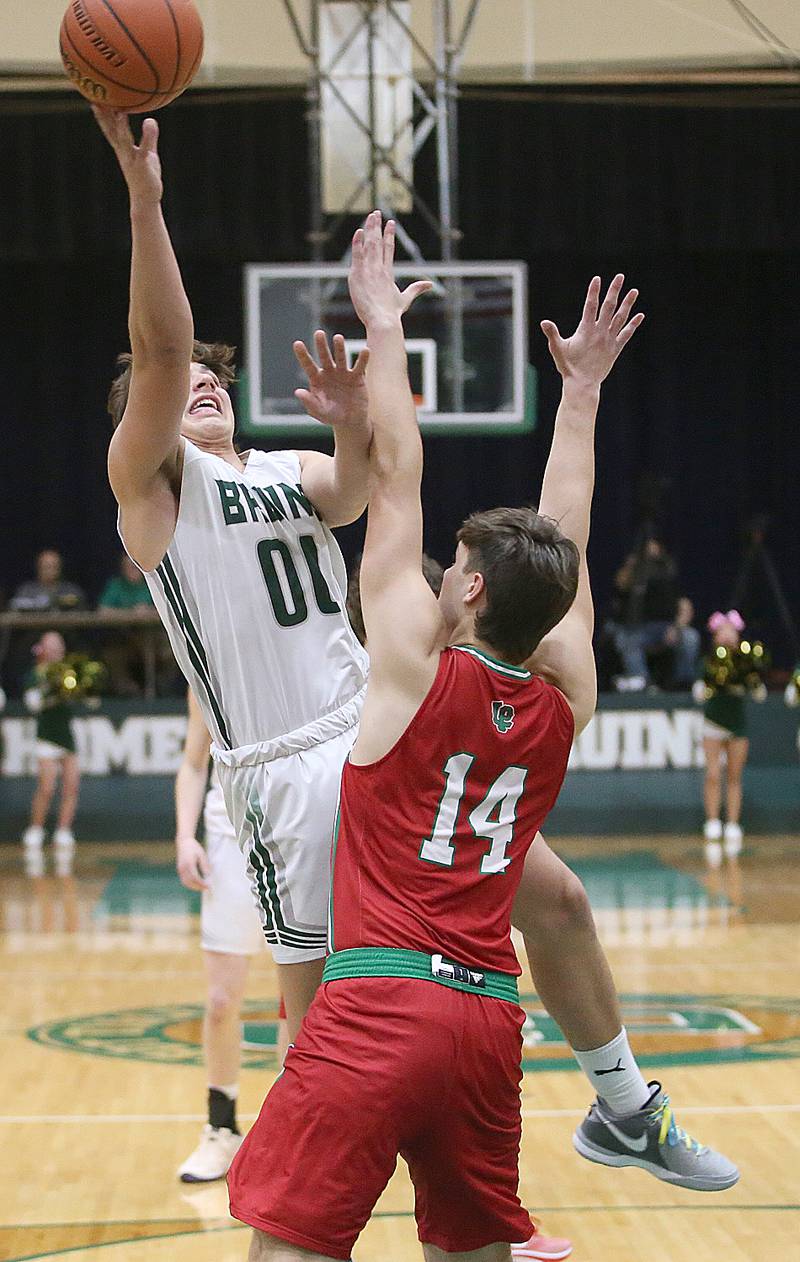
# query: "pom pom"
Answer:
x=736 y=671
x=72 y=679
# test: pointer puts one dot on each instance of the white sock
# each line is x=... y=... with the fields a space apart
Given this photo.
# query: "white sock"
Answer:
x=614 y=1075
x=231 y=1091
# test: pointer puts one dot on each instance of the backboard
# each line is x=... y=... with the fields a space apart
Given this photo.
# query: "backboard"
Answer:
x=467 y=343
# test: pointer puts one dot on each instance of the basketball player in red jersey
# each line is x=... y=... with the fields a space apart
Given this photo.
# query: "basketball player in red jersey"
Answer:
x=412 y=1045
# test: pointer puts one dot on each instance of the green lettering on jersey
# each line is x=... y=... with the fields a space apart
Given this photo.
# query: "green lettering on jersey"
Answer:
x=286 y=615
x=294 y=497
x=291 y=607
x=322 y=592
x=238 y=500
x=272 y=505
x=256 y=512
x=232 y=506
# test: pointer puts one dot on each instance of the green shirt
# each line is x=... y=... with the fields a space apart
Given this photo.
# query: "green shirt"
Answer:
x=121 y=593
x=53 y=720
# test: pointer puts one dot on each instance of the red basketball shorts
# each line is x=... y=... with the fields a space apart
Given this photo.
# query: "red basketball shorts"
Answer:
x=388 y=1066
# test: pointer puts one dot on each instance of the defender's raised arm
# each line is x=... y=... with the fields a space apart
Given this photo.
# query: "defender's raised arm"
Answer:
x=584 y=360
x=401 y=616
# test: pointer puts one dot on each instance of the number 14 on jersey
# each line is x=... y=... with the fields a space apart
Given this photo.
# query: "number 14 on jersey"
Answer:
x=493 y=818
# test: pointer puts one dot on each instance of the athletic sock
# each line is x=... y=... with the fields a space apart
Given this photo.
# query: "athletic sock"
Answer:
x=615 y=1076
x=222 y=1107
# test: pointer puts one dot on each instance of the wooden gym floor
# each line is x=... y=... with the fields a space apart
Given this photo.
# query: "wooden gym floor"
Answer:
x=103 y=1090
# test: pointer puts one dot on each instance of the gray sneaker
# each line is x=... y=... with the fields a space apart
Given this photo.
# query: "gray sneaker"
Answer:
x=651 y=1139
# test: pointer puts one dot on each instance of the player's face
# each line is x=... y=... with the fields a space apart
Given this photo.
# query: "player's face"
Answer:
x=208 y=417
x=455 y=584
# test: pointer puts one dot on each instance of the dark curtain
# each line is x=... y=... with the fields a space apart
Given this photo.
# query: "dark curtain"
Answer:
x=696 y=203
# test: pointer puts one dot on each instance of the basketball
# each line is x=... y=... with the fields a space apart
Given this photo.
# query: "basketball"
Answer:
x=131 y=55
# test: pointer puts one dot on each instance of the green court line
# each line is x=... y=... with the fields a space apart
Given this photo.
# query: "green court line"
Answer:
x=200 y=1229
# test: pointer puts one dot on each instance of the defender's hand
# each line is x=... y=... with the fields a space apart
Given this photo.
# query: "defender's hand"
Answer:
x=336 y=394
x=590 y=354
x=140 y=164
x=373 y=291
x=192 y=864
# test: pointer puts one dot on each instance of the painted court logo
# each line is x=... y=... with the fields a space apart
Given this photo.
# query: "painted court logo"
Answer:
x=503 y=716
x=664 y=1029
x=171 y=1035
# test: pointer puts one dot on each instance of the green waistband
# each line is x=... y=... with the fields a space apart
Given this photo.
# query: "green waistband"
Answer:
x=392 y=962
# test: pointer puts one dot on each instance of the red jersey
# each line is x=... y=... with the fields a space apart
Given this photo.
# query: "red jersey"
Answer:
x=431 y=838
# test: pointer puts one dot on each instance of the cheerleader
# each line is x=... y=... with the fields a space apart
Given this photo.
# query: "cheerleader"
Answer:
x=55 y=685
x=733 y=670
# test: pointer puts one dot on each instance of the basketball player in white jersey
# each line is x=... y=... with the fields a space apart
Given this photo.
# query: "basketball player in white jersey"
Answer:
x=245 y=573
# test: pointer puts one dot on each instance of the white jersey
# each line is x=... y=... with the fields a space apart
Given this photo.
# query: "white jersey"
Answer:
x=252 y=593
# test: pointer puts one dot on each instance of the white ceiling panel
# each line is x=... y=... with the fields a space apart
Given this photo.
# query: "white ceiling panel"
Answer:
x=251 y=41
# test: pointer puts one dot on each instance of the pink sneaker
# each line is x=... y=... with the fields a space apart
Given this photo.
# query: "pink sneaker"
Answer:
x=547 y=1248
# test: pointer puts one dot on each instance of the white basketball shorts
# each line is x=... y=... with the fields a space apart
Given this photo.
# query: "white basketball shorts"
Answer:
x=282 y=798
x=229 y=919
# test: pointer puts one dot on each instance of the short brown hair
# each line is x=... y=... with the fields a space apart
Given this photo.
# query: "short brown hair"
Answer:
x=215 y=355
x=530 y=570
x=431 y=570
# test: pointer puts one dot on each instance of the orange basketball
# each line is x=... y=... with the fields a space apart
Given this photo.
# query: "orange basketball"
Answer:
x=132 y=55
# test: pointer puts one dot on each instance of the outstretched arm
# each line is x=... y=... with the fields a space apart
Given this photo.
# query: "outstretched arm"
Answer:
x=336 y=396
x=401 y=615
x=146 y=442
x=584 y=360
